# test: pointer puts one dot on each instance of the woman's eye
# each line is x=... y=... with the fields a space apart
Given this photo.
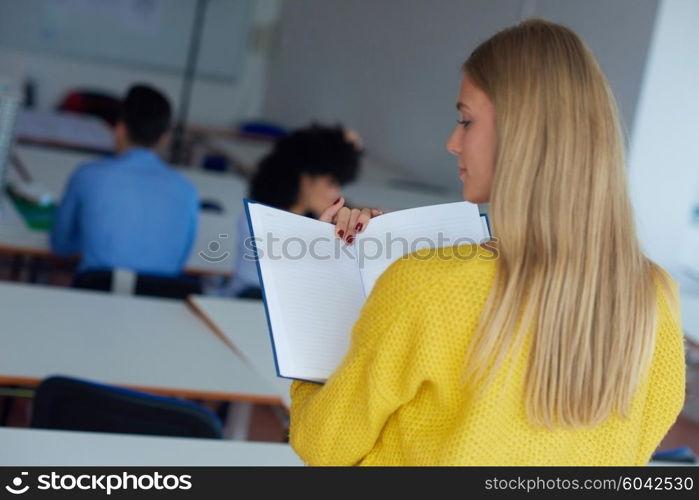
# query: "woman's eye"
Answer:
x=464 y=123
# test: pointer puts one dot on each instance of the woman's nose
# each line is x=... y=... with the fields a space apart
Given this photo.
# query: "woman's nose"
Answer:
x=453 y=143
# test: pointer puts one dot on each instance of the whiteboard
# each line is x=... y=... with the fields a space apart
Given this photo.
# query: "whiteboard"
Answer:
x=152 y=34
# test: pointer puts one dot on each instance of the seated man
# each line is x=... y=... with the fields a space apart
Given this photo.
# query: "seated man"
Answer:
x=131 y=211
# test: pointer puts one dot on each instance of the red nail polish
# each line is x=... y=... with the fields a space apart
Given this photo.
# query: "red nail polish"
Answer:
x=337 y=201
x=341 y=233
x=358 y=227
x=350 y=239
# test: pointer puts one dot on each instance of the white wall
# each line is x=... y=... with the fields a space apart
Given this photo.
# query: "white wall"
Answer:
x=664 y=153
x=619 y=34
x=390 y=68
x=213 y=103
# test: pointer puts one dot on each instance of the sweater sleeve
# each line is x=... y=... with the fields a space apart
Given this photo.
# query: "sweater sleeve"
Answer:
x=666 y=391
x=338 y=423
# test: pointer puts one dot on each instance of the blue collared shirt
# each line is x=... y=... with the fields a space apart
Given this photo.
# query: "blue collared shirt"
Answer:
x=131 y=212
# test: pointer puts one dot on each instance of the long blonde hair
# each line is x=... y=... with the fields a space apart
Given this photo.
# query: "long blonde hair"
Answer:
x=570 y=266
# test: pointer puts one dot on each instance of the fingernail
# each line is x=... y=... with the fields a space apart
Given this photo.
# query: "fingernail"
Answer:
x=337 y=201
x=341 y=233
x=358 y=227
x=350 y=239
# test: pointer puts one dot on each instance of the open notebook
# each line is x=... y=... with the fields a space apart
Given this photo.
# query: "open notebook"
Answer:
x=314 y=285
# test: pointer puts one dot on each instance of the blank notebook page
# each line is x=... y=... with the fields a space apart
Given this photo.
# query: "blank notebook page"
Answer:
x=389 y=237
x=321 y=290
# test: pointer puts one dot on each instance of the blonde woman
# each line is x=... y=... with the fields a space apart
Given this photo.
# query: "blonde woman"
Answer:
x=567 y=348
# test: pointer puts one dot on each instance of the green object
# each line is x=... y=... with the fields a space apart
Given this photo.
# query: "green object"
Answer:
x=37 y=217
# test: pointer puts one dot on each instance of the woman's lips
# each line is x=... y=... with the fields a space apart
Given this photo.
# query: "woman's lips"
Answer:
x=462 y=172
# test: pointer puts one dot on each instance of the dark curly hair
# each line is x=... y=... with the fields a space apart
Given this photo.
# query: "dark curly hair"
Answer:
x=314 y=150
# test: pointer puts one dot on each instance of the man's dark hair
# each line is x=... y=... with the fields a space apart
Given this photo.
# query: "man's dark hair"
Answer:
x=146 y=113
x=314 y=150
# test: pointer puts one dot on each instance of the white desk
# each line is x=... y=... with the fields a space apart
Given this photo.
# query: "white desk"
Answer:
x=36 y=447
x=156 y=345
x=63 y=129
x=52 y=168
x=243 y=325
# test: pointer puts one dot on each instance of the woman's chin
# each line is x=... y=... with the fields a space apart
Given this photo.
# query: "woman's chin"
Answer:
x=469 y=196
x=474 y=197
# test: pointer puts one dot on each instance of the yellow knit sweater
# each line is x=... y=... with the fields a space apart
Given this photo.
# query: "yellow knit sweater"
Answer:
x=396 y=398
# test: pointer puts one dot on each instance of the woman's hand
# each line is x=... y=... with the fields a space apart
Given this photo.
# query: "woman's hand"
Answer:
x=348 y=221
